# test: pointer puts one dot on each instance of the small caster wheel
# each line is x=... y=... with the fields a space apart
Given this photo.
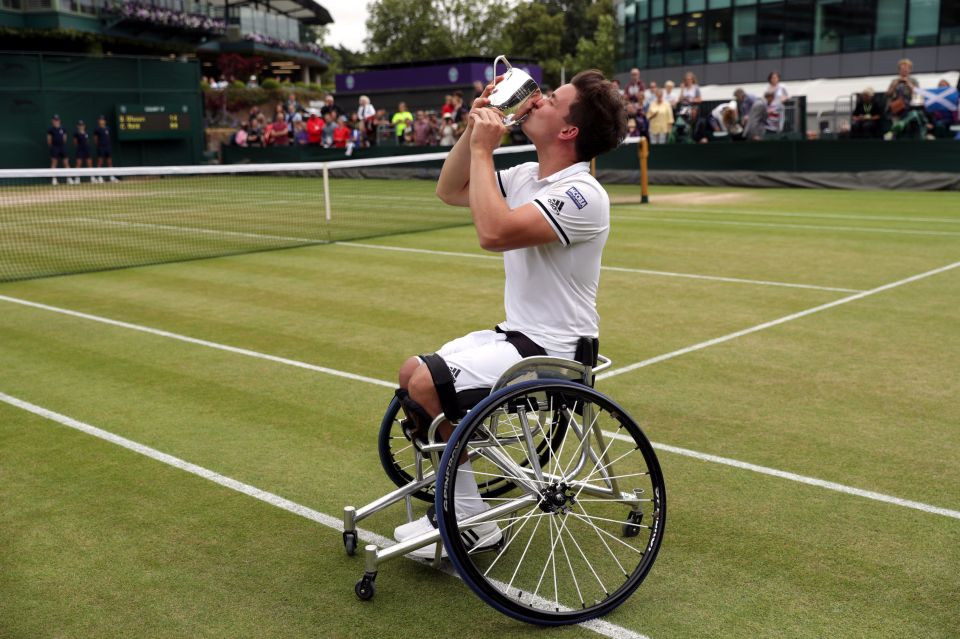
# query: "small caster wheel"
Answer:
x=631 y=528
x=350 y=542
x=365 y=588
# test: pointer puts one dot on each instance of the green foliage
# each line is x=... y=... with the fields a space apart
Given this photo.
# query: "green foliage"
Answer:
x=270 y=84
x=238 y=84
x=534 y=32
x=600 y=52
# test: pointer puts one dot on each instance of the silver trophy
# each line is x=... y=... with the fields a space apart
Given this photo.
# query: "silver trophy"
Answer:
x=513 y=95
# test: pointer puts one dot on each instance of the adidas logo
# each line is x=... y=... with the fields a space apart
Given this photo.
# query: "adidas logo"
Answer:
x=555 y=204
x=455 y=372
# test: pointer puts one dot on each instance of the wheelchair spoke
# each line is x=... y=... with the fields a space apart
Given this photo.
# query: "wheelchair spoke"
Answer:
x=586 y=561
x=526 y=519
x=524 y=554
x=563 y=545
x=611 y=536
x=606 y=545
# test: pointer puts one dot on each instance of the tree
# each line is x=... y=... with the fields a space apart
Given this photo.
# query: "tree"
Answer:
x=601 y=51
x=534 y=33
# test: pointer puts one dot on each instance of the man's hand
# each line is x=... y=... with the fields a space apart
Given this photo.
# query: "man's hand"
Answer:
x=487 y=131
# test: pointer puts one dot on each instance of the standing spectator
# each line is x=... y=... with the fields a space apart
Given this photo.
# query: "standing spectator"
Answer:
x=635 y=88
x=447 y=105
x=780 y=94
x=300 y=137
x=670 y=96
x=104 y=144
x=81 y=140
x=616 y=85
x=367 y=115
x=292 y=102
x=477 y=89
x=365 y=110
x=292 y=116
x=757 y=118
x=650 y=94
x=866 y=115
x=278 y=133
x=941 y=107
x=460 y=110
x=423 y=132
x=400 y=120
x=329 y=106
x=659 y=117
x=252 y=82
x=744 y=103
x=314 y=128
x=329 y=126
x=448 y=131
x=382 y=126
x=57 y=140
x=255 y=132
x=341 y=134
x=357 y=135
x=900 y=92
x=239 y=137
x=690 y=90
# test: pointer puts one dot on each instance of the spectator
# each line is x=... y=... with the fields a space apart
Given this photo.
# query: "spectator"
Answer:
x=300 y=137
x=447 y=105
x=634 y=90
x=292 y=116
x=341 y=134
x=365 y=110
x=744 y=103
x=254 y=112
x=477 y=89
x=690 y=90
x=239 y=137
x=780 y=94
x=366 y=115
x=314 y=128
x=329 y=127
x=424 y=133
x=81 y=140
x=632 y=131
x=382 y=125
x=57 y=140
x=104 y=144
x=401 y=120
x=866 y=115
x=278 y=133
x=460 y=110
x=660 y=118
x=448 y=131
x=357 y=133
x=616 y=85
x=634 y=113
x=901 y=90
x=723 y=119
x=650 y=94
x=669 y=95
x=329 y=106
x=252 y=82
x=255 y=133
x=757 y=118
x=941 y=107
x=292 y=102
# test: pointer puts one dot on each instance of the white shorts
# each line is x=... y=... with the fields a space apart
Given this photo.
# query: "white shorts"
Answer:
x=477 y=359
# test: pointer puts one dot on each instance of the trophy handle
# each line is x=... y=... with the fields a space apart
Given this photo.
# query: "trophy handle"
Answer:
x=506 y=63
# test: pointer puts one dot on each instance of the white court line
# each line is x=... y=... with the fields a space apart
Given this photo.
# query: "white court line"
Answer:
x=621 y=269
x=200 y=342
x=598 y=626
x=821 y=216
x=289 y=362
x=803 y=479
x=776 y=322
x=815 y=227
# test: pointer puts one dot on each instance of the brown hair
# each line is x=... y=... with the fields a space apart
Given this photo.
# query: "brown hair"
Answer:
x=598 y=113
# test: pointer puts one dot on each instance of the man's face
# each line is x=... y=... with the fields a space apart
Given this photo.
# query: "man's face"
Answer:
x=634 y=75
x=101 y=123
x=549 y=115
x=402 y=106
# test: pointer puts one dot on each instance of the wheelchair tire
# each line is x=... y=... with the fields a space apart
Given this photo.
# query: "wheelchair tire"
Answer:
x=559 y=553
x=397 y=457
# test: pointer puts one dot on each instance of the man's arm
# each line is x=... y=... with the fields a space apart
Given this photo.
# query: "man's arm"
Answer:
x=455 y=174
x=499 y=228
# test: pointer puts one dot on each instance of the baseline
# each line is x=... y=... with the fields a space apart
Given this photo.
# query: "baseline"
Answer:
x=810 y=227
x=814 y=216
x=598 y=626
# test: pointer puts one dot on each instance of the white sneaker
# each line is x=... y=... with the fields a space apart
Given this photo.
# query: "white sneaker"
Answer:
x=484 y=535
x=113 y=178
x=53 y=181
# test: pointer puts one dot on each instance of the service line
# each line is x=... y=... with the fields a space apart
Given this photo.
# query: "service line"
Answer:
x=806 y=227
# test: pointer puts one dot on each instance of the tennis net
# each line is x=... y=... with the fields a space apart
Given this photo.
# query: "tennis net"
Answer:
x=63 y=221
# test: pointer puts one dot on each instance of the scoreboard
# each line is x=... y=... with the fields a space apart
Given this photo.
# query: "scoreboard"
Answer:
x=153 y=121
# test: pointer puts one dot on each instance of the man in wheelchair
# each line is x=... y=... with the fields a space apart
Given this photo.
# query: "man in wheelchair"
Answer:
x=550 y=219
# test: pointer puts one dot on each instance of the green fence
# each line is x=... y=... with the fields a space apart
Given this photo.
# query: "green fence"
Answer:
x=35 y=86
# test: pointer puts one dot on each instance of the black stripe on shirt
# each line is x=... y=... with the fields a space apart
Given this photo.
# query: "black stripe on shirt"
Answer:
x=556 y=226
x=500 y=182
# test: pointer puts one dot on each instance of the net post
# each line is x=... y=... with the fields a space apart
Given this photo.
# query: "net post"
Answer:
x=326 y=190
x=643 y=150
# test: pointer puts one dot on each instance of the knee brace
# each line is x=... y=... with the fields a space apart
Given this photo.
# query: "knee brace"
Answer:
x=417 y=420
x=444 y=383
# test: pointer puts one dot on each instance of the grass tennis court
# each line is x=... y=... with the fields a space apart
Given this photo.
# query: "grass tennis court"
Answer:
x=811 y=463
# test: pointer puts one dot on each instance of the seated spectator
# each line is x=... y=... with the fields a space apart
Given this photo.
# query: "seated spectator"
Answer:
x=659 y=117
x=314 y=128
x=632 y=131
x=723 y=119
x=400 y=121
x=900 y=92
x=941 y=107
x=866 y=115
x=780 y=94
x=329 y=126
x=690 y=90
x=744 y=103
x=756 y=125
x=239 y=138
x=914 y=123
x=278 y=133
x=670 y=96
x=255 y=136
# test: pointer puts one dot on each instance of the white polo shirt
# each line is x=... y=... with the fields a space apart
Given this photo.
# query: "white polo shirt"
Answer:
x=551 y=289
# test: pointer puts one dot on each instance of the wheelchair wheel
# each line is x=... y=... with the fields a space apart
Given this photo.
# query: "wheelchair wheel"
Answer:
x=581 y=533
x=398 y=456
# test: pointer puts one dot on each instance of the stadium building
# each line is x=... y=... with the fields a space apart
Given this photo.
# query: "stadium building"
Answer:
x=276 y=30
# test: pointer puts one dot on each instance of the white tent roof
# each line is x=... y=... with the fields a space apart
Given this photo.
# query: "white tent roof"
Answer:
x=821 y=94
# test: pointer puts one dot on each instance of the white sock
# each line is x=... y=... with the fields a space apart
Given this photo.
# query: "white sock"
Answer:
x=467 y=494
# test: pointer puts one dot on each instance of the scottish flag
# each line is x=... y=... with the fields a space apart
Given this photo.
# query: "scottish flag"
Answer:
x=941 y=102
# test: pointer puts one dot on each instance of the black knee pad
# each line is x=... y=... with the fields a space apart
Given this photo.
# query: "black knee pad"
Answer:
x=416 y=425
x=444 y=383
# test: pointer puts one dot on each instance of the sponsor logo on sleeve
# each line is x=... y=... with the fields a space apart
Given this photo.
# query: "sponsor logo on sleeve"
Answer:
x=556 y=205
x=578 y=199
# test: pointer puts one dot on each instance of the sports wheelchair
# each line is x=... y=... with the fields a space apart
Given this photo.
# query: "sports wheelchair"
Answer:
x=570 y=483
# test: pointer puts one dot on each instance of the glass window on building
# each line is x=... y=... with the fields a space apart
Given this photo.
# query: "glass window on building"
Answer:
x=923 y=23
x=720 y=4
x=828 y=26
x=744 y=33
x=798 y=28
x=10 y=4
x=770 y=30
x=858 y=26
x=891 y=20
x=673 y=54
x=656 y=9
x=950 y=22
x=719 y=35
x=657 y=43
x=696 y=38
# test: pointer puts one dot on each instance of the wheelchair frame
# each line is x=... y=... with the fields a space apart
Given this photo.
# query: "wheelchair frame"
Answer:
x=535 y=373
